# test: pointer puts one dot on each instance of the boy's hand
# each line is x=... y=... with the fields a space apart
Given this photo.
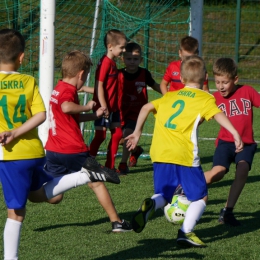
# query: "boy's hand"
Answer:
x=6 y=138
x=238 y=143
x=90 y=105
x=100 y=112
x=131 y=141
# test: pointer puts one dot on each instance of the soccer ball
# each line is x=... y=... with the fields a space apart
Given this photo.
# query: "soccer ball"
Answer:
x=175 y=212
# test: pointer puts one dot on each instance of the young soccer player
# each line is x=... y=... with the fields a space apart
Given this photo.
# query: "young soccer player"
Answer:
x=188 y=46
x=174 y=149
x=22 y=156
x=106 y=95
x=237 y=102
x=66 y=150
x=132 y=83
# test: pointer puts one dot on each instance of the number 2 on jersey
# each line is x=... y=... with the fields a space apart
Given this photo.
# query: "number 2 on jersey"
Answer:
x=169 y=123
x=19 y=115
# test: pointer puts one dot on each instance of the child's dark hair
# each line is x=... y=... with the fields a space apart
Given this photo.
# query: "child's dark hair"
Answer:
x=113 y=36
x=190 y=44
x=225 y=67
x=12 y=44
x=133 y=47
x=74 y=62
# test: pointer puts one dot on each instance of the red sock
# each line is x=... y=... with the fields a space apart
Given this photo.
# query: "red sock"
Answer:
x=116 y=135
x=100 y=136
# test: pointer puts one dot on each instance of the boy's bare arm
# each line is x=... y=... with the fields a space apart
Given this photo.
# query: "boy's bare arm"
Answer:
x=156 y=87
x=101 y=96
x=37 y=119
x=92 y=116
x=224 y=121
x=163 y=86
x=133 y=139
x=73 y=108
x=86 y=89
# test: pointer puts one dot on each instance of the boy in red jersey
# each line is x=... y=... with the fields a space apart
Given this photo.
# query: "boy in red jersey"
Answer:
x=132 y=84
x=237 y=102
x=188 y=46
x=106 y=95
x=66 y=150
x=22 y=156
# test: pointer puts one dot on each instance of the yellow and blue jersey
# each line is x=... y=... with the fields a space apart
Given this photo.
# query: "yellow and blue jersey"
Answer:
x=177 y=117
x=19 y=101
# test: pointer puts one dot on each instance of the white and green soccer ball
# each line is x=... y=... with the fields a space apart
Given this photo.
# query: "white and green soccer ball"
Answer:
x=176 y=210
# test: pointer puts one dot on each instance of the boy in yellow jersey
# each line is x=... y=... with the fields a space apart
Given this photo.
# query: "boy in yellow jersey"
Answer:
x=174 y=148
x=22 y=155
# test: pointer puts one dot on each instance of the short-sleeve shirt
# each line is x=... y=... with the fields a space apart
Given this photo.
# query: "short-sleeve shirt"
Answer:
x=19 y=101
x=173 y=74
x=177 y=118
x=64 y=130
x=238 y=108
x=133 y=95
x=107 y=73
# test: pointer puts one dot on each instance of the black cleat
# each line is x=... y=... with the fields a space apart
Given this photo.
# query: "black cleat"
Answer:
x=97 y=172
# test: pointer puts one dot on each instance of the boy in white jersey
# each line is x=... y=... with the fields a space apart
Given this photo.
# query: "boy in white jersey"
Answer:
x=174 y=150
x=22 y=155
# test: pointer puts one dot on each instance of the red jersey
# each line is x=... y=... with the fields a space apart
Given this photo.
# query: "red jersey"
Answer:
x=64 y=132
x=173 y=75
x=133 y=92
x=107 y=73
x=238 y=108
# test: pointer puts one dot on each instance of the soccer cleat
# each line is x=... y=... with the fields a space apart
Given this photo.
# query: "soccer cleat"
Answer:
x=123 y=169
x=134 y=156
x=121 y=227
x=143 y=214
x=227 y=217
x=189 y=240
x=97 y=172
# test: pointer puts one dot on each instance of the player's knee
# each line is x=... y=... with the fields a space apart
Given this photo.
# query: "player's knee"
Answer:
x=56 y=200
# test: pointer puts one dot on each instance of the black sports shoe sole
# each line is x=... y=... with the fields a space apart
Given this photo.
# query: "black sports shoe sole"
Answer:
x=96 y=172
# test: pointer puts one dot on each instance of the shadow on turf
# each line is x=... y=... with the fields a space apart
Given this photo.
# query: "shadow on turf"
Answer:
x=152 y=248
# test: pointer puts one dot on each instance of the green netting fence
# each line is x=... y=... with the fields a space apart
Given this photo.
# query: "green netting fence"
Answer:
x=157 y=25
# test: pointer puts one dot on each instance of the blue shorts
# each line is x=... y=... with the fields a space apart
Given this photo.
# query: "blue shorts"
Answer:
x=114 y=117
x=168 y=176
x=59 y=164
x=19 y=178
x=225 y=154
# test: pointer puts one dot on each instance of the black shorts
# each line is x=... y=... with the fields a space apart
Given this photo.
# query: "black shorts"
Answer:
x=225 y=154
x=59 y=164
x=114 y=117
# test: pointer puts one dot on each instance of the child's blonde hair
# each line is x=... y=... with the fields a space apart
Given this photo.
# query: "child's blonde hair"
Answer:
x=193 y=70
x=225 y=67
x=74 y=62
x=113 y=36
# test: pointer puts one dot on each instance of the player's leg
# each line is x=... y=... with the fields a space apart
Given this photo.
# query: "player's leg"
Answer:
x=215 y=174
x=106 y=202
x=122 y=167
x=16 y=180
x=100 y=136
x=116 y=135
x=193 y=182
x=244 y=160
x=162 y=177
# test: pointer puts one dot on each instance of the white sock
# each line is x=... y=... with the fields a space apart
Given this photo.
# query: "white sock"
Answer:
x=193 y=214
x=160 y=201
x=64 y=183
x=11 y=239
